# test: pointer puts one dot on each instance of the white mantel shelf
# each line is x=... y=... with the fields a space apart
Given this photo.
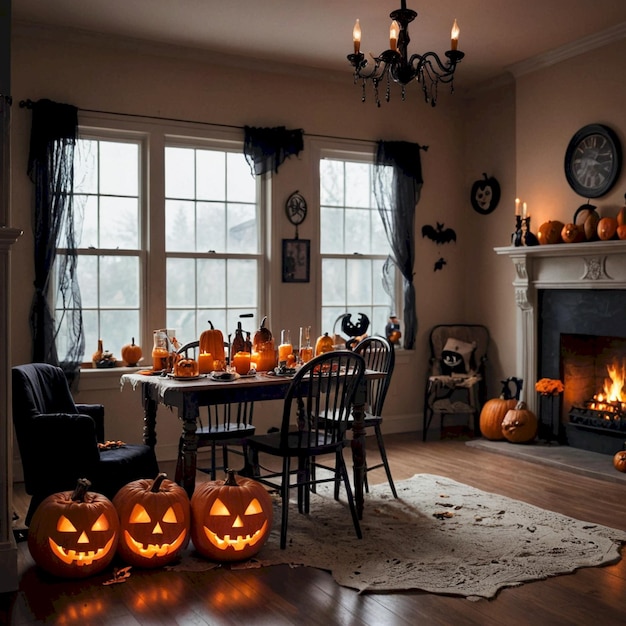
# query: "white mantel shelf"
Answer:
x=589 y=265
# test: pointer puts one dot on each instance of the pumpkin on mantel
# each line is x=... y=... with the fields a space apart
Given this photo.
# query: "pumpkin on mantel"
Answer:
x=519 y=424
x=550 y=232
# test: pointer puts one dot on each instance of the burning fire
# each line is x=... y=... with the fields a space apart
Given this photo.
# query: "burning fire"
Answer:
x=612 y=398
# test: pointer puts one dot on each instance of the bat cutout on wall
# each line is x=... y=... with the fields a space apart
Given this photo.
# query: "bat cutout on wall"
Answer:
x=438 y=233
x=439 y=263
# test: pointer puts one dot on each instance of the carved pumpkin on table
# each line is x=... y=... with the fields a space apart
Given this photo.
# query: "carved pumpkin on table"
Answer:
x=264 y=353
x=212 y=342
x=230 y=519
x=74 y=534
x=154 y=521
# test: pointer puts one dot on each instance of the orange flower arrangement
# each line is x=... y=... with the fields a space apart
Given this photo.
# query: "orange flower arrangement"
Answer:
x=549 y=386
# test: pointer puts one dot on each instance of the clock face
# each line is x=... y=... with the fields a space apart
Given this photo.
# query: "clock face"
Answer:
x=593 y=161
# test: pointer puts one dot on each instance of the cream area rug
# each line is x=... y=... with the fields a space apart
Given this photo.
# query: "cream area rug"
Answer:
x=439 y=536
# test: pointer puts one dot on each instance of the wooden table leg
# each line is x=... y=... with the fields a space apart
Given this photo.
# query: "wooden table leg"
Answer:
x=189 y=450
x=358 y=446
x=149 y=418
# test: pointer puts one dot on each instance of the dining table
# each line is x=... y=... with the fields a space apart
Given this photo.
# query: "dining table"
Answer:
x=187 y=396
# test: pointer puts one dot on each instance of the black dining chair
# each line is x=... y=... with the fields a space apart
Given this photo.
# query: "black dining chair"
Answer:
x=59 y=440
x=326 y=384
x=226 y=428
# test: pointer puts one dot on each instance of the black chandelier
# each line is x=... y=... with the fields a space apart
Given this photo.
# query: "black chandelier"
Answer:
x=396 y=65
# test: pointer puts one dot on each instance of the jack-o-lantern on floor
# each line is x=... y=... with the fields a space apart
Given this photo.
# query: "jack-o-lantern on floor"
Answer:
x=154 y=521
x=74 y=534
x=230 y=519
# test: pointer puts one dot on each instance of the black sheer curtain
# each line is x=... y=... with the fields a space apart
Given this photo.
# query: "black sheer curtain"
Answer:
x=397 y=186
x=51 y=169
x=267 y=148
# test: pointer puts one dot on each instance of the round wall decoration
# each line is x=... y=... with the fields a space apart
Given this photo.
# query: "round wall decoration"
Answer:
x=485 y=194
x=593 y=160
x=296 y=208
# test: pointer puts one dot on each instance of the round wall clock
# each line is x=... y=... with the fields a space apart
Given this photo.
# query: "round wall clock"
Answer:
x=295 y=207
x=593 y=160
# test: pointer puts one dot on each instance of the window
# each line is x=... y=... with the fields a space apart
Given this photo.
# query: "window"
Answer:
x=107 y=176
x=211 y=240
x=353 y=245
x=169 y=231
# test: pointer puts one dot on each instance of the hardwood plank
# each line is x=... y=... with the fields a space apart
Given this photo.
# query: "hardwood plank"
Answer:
x=283 y=595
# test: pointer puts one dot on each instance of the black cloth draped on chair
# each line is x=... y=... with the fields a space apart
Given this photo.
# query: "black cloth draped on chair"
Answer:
x=267 y=148
x=397 y=186
x=53 y=138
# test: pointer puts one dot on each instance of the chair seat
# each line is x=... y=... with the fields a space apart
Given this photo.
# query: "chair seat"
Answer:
x=224 y=432
x=116 y=465
x=297 y=444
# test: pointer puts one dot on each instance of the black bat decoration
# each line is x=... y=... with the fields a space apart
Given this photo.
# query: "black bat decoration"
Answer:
x=439 y=264
x=439 y=234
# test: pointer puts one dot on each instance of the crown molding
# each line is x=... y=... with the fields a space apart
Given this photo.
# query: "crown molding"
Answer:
x=575 y=48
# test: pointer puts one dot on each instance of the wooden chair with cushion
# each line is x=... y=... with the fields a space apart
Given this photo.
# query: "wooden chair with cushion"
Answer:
x=58 y=439
x=455 y=384
x=325 y=385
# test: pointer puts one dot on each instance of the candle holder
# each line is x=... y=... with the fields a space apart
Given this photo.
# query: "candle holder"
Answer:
x=516 y=237
x=526 y=236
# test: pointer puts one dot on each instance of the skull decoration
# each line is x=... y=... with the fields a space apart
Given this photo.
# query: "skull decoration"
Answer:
x=74 y=534
x=154 y=521
x=231 y=520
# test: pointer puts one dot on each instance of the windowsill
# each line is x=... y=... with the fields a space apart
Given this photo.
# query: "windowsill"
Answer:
x=94 y=378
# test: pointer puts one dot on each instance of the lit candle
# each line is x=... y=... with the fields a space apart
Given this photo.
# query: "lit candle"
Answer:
x=205 y=362
x=454 y=35
x=241 y=361
x=517 y=208
x=394 y=31
x=524 y=211
x=356 y=37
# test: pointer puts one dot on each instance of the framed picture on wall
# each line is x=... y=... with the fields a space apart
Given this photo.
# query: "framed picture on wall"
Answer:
x=296 y=260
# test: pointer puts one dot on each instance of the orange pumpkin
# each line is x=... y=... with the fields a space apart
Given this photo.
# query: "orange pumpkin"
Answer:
x=231 y=519
x=264 y=349
x=621 y=216
x=324 y=344
x=607 y=227
x=186 y=368
x=131 y=353
x=212 y=342
x=519 y=424
x=74 y=534
x=154 y=521
x=572 y=233
x=550 y=232
x=619 y=461
x=621 y=231
x=492 y=414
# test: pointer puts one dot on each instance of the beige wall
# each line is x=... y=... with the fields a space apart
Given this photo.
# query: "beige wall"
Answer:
x=516 y=133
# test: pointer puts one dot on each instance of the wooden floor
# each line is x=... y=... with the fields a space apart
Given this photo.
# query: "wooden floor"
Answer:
x=282 y=595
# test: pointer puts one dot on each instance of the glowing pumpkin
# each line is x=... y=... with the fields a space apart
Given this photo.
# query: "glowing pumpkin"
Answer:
x=324 y=344
x=550 y=232
x=619 y=461
x=212 y=342
x=264 y=349
x=154 y=521
x=231 y=519
x=186 y=368
x=74 y=534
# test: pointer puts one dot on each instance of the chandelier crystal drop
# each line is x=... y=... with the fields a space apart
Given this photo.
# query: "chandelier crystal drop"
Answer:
x=395 y=65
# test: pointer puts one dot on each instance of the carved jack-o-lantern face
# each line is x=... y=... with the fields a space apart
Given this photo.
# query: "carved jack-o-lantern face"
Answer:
x=230 y=520
x=154 y=521
x=74 y=534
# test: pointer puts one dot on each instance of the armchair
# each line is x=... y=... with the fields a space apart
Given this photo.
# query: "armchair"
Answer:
x=58 y=439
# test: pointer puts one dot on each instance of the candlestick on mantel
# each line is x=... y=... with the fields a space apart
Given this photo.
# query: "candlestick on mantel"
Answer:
x=524 y=211
x=517 y=207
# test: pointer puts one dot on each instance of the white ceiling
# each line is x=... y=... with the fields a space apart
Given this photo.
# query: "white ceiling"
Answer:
x=495 y=34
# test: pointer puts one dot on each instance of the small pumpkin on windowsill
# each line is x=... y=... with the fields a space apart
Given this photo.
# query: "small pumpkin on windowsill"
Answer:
x=131 y=353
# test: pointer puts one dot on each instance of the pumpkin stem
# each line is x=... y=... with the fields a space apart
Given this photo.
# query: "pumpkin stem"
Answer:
x=230 y=478
x=132 y=341
x=211 y=325
x=78 y=495
x=263 y=322
x=156 y=483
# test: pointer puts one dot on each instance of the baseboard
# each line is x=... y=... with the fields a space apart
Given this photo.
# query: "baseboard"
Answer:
x=8 y=567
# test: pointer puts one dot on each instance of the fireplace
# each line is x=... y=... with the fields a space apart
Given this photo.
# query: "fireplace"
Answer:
x=571 y=326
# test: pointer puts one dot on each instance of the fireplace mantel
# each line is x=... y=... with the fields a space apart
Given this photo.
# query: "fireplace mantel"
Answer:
x=591 y=265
